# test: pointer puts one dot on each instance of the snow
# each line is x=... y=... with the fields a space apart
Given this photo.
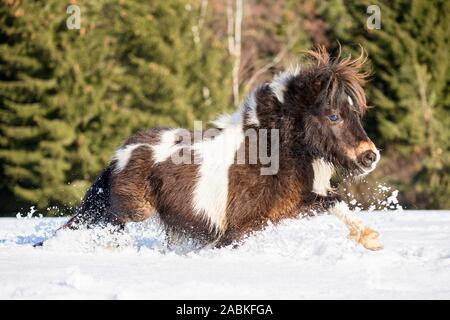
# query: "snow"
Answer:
x=296 y=259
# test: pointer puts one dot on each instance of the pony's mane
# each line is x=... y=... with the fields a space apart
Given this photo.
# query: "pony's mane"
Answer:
x=348 y=71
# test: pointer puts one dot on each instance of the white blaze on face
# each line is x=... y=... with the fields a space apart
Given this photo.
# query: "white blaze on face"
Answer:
x=350 y=101
x=210 y=196
x=323 y=171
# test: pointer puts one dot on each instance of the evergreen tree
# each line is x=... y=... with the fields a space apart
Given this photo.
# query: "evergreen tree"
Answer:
x=69 y=97
x=52 y=95
x=172 y=68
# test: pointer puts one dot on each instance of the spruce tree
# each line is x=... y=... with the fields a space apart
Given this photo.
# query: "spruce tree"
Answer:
x=173 y=69
x=69 y=97
x=51 y=89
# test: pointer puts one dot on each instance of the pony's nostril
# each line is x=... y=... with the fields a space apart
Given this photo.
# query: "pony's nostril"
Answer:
x=368 y=157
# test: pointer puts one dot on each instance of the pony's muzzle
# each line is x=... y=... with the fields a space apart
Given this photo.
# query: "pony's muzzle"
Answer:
x=368 y=158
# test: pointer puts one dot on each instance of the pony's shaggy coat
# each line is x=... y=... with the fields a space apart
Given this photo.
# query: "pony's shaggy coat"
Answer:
x=214 y=199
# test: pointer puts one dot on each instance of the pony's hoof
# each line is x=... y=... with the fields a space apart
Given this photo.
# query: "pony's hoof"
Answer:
x=368 y=238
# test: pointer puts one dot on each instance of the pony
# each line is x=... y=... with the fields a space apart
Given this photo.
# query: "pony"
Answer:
x=211 y=190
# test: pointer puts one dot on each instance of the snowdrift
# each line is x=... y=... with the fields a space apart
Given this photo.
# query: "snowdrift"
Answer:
x=297 y=259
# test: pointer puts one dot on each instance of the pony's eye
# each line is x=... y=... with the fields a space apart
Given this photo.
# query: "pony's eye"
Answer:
x=333 y=117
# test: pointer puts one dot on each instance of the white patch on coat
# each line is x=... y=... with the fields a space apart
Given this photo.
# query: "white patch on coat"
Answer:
x=210 y=196
x=280 y=81
x=249 y=108
x=166 y=146
x=227 y=120
x=323 y=171
x=123 y=155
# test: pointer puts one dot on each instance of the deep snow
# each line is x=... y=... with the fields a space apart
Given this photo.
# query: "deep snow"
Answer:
x=297 y=259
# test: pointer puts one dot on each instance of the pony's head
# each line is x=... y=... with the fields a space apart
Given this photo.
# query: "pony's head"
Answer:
x=323 y=105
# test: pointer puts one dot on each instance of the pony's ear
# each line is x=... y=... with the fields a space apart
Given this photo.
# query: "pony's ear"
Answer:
x=321 y=82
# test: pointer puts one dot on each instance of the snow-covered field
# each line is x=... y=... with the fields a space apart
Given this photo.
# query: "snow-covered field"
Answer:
x=297 y=259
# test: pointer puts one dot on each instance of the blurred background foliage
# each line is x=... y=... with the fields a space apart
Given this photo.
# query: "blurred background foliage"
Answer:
x=69 y=97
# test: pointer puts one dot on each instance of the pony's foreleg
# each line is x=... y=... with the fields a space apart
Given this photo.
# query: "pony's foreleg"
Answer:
x=367 y=237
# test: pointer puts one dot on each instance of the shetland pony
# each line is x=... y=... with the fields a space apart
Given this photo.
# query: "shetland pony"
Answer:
x=316 y=111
